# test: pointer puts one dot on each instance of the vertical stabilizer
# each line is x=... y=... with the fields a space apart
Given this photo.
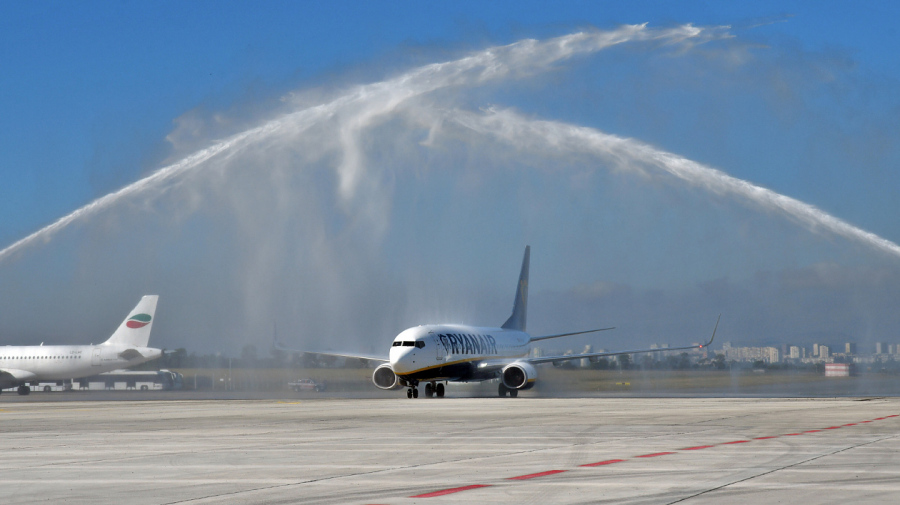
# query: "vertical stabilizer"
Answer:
x=135 y=329
x=517 y=320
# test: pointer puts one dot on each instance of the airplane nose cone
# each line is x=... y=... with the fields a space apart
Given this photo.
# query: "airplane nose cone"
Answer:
x=402 y=361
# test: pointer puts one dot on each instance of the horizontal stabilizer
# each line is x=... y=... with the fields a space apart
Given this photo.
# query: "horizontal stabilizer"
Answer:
x=545 y=337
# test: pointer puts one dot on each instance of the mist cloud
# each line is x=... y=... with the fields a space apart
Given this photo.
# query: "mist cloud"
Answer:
x=385 y=205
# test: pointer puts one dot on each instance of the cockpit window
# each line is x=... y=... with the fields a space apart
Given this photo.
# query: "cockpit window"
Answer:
x=397 y=344
x=420 y=344
x=408 y=343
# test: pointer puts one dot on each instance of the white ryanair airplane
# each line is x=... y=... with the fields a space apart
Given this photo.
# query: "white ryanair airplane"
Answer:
x=127 y=347
x=439 y=353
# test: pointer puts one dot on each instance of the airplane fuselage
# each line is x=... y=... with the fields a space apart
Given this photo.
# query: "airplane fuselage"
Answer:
x=60 y=362
x=454 y=352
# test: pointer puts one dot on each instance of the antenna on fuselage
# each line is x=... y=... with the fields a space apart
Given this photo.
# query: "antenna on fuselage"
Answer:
x=517 y=320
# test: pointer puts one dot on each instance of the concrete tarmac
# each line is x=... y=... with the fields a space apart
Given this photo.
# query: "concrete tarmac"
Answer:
x=452 y=450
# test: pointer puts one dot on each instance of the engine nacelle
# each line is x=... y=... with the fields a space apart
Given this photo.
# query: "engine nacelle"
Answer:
x=519 y=375
x=385 y=378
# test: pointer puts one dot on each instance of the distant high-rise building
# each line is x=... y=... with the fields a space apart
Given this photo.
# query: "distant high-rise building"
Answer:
x=880 y=348
x=823 y=351
x=850 y=348
x=795 y=352
x=815 y=350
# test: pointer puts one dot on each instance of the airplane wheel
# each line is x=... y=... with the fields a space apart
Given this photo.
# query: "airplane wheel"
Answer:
x=415 y=393
x=23 y=390
x=502 y=390
x=440 y=390
x=409 y=393
x=429 y=390
x=513 y=393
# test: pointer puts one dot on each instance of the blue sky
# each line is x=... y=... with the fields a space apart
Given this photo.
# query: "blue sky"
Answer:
x=90 y=93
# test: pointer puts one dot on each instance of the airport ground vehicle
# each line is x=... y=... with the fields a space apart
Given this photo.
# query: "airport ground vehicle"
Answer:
x=306 y=385
x=116 y=380
x=121 y=380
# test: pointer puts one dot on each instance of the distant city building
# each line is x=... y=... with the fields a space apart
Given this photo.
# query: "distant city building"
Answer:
x=880 y=348
x=823 y=352
x=794 y=352
x=766 y=354
x=850 y=348
x=815 y=350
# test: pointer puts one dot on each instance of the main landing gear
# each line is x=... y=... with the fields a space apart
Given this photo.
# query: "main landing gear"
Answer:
x=503 y=390
x=432 y=389
x=23 y=390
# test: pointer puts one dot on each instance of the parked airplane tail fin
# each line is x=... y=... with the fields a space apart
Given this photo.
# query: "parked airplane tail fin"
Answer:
x=135 y=329
x=517 y=320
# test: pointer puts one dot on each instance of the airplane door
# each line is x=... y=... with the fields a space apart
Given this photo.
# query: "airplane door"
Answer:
x=95 y=357
x=441 y=352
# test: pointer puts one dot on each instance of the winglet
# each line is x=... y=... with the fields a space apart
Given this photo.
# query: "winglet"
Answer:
x=714 y=333
x=517 y=320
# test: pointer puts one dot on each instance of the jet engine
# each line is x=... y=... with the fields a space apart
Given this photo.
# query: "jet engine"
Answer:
x=385 y=378
x=519 y=375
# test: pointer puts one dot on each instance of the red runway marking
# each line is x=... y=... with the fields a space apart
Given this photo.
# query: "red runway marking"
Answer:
x=607 y=462
x=443 y=492
x=449 y=491
x=533 y=475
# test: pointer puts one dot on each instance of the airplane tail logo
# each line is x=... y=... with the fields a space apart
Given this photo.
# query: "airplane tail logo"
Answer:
x=135 y=329
x=138 y=321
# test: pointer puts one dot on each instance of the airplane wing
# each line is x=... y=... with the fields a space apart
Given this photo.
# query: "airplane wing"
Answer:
x=13 y=376
x=380 y=359
x=568 y=357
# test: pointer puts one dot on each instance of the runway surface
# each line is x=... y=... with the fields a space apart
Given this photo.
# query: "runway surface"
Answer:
x=482 y=450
